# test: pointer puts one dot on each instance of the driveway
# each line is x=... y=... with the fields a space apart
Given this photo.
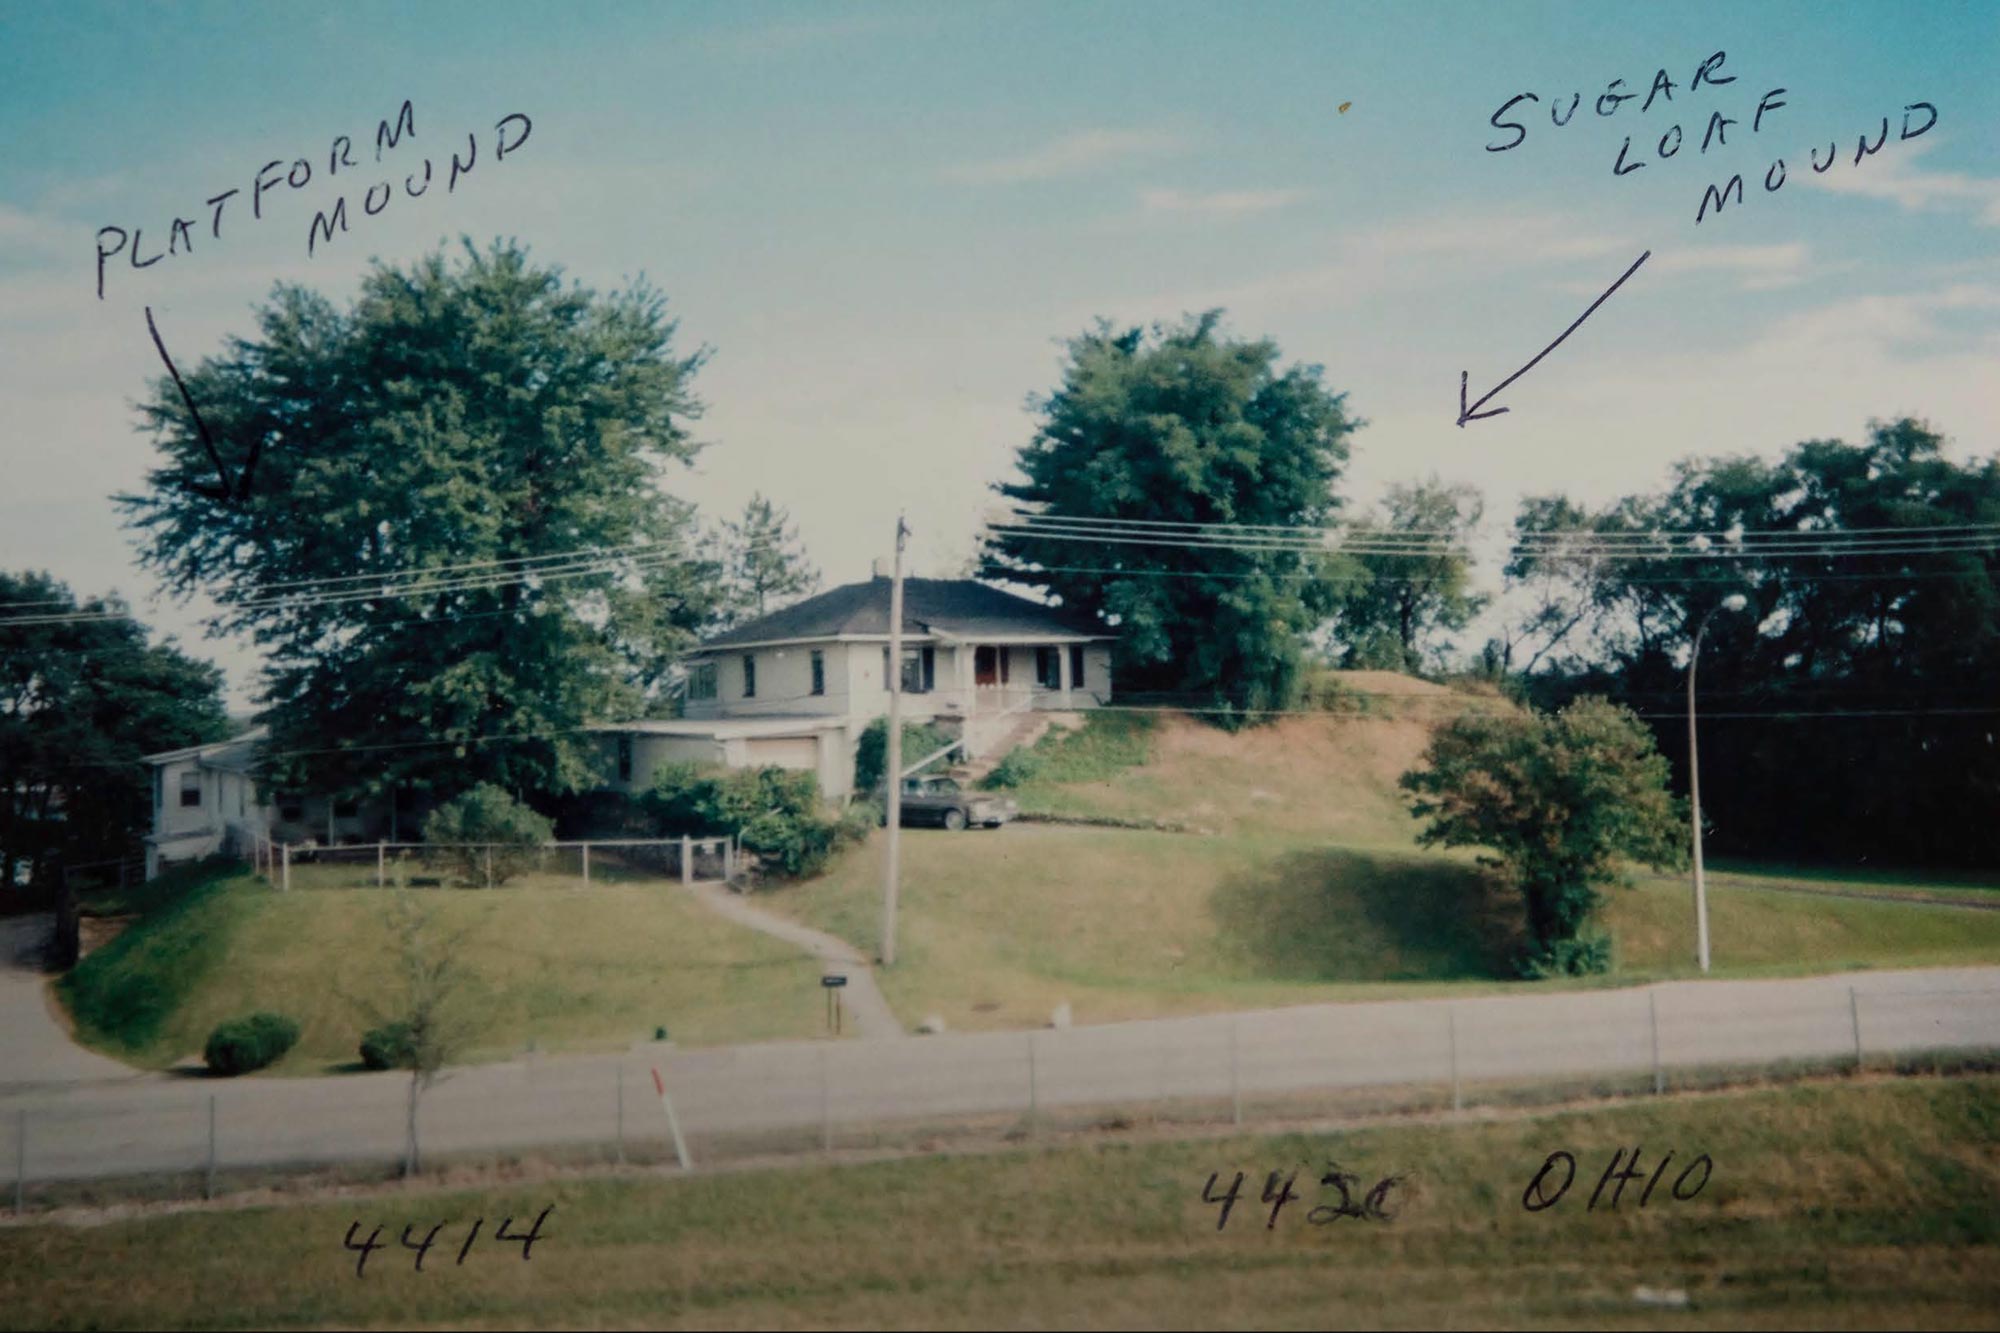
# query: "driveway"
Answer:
x=35 y=1046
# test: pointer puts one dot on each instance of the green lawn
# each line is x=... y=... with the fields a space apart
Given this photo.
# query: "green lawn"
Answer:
x=1830 y=1205
x=1305 y=884
x=995 y=928
x=555 y=963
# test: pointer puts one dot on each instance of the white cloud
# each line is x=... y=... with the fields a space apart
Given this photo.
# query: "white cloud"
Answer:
x=1217 y=203
x=1899 y=179
x=1761 y=267
x=1070 y=155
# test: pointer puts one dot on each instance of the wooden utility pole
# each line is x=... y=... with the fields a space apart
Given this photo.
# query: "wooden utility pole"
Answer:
x=892 y=762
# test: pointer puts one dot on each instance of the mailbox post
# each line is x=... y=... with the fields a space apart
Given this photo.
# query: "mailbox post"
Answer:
x=831 y=983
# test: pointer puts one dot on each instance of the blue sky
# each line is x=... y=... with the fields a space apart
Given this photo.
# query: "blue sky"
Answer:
x=883 y=219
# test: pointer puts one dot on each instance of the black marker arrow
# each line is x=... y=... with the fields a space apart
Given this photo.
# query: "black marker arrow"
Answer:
x=200 y=426
x=1473 y=413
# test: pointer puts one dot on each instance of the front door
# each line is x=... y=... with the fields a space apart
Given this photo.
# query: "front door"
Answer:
x=985 y=666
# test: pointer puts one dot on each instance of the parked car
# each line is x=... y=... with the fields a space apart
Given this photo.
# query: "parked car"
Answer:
x=941 y=801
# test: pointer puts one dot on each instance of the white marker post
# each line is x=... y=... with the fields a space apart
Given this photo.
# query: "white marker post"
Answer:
x=673 y=1122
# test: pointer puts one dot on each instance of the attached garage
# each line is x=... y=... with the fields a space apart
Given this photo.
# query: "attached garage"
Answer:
x=782 y=752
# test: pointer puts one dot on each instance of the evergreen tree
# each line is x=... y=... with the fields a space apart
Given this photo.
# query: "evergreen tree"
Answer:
x=764 y=563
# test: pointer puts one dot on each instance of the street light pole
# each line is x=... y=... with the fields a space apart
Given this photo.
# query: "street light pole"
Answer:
x=892 y=759
x=1694 y=799
x=1733 y=603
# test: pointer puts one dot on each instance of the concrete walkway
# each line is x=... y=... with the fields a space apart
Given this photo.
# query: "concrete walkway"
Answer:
x=864 y=1006
x=35 y=1046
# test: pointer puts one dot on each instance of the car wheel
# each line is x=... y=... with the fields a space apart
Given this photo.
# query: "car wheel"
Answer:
x=954 y=819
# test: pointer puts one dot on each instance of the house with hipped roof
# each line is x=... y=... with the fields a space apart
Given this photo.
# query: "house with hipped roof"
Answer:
x=793 y=689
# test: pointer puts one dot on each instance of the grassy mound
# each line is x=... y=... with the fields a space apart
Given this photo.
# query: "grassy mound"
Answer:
x=564 y=968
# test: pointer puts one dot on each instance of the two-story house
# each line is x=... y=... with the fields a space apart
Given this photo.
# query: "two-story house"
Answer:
x=796 y=688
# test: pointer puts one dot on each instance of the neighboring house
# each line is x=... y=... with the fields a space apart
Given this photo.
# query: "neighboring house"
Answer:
x=205 y=801
x=796 y=688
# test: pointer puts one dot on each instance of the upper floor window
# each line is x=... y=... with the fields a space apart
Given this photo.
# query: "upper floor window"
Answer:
x=749 y=676
x=701 y=680
x=191 y=788
x=819 y=671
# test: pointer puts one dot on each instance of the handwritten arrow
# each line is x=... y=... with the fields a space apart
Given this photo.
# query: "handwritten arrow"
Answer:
x=1473 y=413
x=208 y=441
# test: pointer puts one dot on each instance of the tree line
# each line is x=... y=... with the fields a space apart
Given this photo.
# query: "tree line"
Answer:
x=460 y=547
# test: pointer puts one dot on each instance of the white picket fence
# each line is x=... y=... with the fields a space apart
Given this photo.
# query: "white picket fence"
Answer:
x=429 y=864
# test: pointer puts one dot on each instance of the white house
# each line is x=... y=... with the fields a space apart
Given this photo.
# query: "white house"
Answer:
x=205 y=801
x=796 y=688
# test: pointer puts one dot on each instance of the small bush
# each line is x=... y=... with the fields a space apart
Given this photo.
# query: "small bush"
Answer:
x=1587 y=955
x=245 y=1044
x=1017 y=769
x=514 y=835
x=388 y=1047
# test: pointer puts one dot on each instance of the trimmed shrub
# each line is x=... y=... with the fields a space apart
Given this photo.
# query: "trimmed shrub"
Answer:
x=388 y=1047
x=487 y=814
x=245 y=1044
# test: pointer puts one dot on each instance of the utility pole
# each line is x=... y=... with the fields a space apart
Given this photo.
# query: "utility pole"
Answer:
x=1734 y=602
x=892 y=762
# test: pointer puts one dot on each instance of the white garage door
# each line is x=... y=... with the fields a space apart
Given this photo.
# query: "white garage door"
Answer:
x=783 y=752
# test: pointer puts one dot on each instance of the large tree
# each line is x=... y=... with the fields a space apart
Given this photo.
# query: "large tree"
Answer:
x=444 y=524
x=1415 y=588
x=1561 y=798
x=1185 y=426
x=1848 y=711
x=83 y=695
x=764 y=564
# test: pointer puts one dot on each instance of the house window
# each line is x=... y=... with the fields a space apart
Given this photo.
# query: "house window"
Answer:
x=701 y=681
x=159 y=786
x=1076 y=666
x=819 y=671
x=749 y=676
x=624 y=758
x=919 y=670
x=1048 y=668
x=346 y=809
x=291 y=809
x=190 y=789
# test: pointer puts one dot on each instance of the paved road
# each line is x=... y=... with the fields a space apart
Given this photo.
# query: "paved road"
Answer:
x=161 y=1123
x=35 y=1047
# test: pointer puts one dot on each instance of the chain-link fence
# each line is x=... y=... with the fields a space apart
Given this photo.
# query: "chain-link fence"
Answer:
x=379 y=865
x=1314 y=1063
